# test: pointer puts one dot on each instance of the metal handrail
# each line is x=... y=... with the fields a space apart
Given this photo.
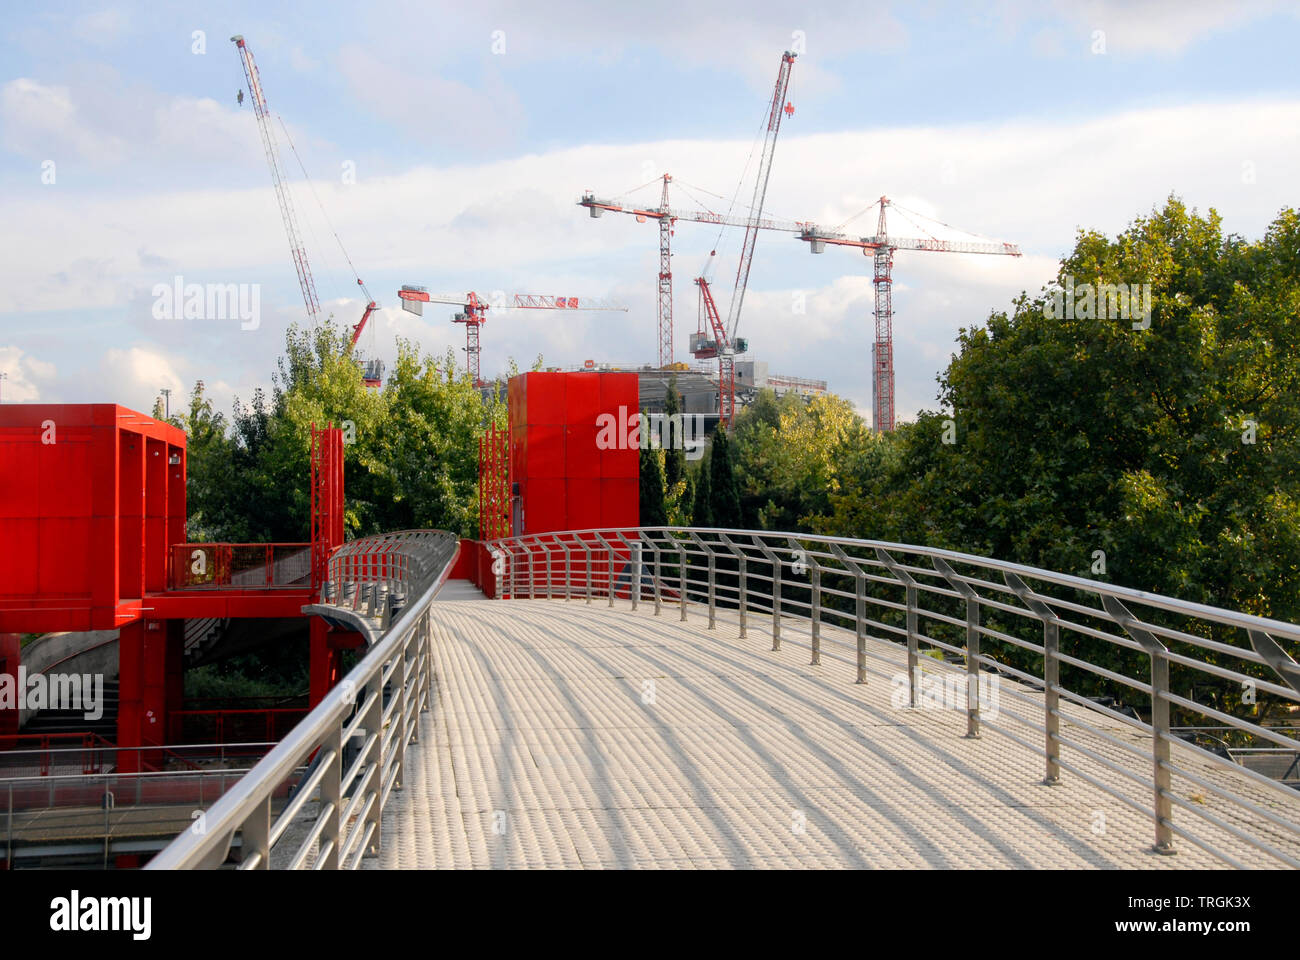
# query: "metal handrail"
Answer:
x=952 y=603
x=394 y=677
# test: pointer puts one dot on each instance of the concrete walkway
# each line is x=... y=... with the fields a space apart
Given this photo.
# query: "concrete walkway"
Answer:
x=571 y=735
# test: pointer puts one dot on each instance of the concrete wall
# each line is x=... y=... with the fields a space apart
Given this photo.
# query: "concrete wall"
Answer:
x=93 y=651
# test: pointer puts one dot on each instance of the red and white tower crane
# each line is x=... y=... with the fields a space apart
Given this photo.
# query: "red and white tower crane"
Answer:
x=276 y=163
x=881 y=247
x=667 y=217
x=476 y=306
x=372 y=370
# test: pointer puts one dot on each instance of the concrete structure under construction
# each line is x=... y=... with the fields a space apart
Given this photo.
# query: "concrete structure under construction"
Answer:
x=698 y=385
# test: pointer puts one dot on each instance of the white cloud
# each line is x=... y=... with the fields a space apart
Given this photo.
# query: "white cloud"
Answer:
x=24 y=374
x=1134 y=27
x=513 y=224
x=102 y=27
x=42 y=121
x=140 y=374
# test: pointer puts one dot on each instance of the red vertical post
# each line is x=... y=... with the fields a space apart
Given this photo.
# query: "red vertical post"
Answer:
x=10 y=657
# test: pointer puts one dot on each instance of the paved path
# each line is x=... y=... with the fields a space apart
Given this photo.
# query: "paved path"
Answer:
x=573 y=735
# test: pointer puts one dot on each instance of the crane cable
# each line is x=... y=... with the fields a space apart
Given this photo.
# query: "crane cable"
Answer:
x=328 y=222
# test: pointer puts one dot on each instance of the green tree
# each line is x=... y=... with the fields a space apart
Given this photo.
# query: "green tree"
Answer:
x=675 y=454
x=1158 y=454
x=702 y=505
x=724 y=498
x=653 y=511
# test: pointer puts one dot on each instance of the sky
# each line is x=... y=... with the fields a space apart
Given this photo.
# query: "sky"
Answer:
x=448 y=147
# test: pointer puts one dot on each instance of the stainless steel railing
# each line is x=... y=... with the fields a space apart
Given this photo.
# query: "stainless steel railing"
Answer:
x=1067 y=640
x=353 y=741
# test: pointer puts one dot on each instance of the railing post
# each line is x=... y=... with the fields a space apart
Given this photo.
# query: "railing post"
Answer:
x=972 y=645
x=713 y=580
x=659 y=600
x=1161 y=777
x=255 y=835
x=776 y=590
x=331 y=797
x=635 y=585
x=532 y=577
x=374 y=723
x=568 y=571
x=913 y=645
x=587 y=574
x=1051 y=675
x=609 y=576
x=1052 y=700
x=743 y=582
x=814 y=605
x=681 y=576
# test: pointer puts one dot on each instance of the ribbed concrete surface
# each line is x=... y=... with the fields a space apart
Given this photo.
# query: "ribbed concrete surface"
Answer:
x=568 y=735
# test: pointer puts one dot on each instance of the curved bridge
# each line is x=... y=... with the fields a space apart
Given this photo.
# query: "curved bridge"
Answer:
x=663 y=697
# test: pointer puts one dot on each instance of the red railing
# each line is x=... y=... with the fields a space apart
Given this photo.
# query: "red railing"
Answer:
x=55 y=750
x=242 y=566
x=232 y=725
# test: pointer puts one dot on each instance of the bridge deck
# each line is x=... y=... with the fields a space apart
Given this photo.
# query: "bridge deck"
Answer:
x=574 y=735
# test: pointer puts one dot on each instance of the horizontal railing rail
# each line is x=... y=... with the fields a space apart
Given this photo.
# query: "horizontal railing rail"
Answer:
x=352 y=744
x=244 y=566
x=1131 y=657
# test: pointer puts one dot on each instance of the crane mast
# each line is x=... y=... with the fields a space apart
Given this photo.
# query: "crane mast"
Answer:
x=723 y=349
x=776 y=110
x=881 y=248
x=274 y=161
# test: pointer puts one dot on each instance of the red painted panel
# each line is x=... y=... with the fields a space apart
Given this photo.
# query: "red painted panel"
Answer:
x=20 y=481
x=131 y=516
x=545 y=451
x=582 y=504
x=517 y=399
x=620 y=504
x=581 y=455
x=17 y=571
x=582 y=398
x=621 y=464
x=619 y=389
x=546 y=397
x=544 y=504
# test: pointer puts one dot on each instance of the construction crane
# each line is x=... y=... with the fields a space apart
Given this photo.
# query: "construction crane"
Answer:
x=719 y=345
x=667 y=217
x=723 y=343
x=881 y=246
x=372 y=370
x=276 y=163
x=476 y=306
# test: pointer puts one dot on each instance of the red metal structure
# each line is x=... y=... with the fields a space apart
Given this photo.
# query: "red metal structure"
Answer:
x=718 y=345
x=476 y=307
x=92 y=518
x=494 y=484
x=881 y=247
x=574 y=450
x=372 y=370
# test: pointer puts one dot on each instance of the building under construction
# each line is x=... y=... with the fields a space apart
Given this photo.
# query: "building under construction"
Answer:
x=697 y=385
